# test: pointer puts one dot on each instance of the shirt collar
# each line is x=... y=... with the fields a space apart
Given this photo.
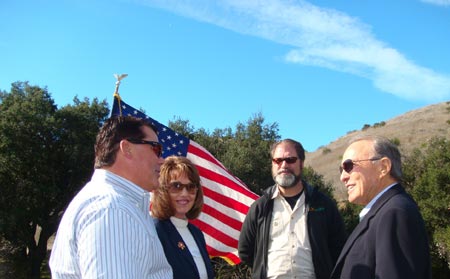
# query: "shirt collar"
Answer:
x=366 y=209
x=139 y=196
x=276 y=193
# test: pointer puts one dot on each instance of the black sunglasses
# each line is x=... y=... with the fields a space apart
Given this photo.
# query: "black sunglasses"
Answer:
x=177 y=187
x=348 y=164
x=156 y=146
x=289 y=160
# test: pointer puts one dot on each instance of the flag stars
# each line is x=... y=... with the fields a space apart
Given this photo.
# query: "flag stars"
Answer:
x=174 y=143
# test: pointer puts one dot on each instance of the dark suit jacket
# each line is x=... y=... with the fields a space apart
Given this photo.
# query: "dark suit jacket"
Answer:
x=177 y=253
x=389 y=242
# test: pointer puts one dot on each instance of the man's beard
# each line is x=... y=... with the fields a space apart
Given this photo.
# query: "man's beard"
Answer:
x=286 y=180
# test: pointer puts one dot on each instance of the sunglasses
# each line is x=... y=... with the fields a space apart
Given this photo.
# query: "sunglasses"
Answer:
x=349 y=164
x=156 y=146
x=177 y=187
x=289 y=160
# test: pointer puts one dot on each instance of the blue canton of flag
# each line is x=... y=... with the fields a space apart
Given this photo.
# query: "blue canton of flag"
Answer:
x=173 y=143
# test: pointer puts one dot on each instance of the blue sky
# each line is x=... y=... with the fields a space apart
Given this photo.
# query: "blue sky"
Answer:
x=317 y=68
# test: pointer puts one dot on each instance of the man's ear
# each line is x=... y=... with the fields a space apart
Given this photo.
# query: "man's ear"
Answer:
x=386 y=165
x=125 y=148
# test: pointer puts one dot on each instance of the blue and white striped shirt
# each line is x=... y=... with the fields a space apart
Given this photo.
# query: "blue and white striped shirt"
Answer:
x=107 y=232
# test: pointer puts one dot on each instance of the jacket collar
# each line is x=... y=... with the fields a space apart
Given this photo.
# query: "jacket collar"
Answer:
x=364 y=224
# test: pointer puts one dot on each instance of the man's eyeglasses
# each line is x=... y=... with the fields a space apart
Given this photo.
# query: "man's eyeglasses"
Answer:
x=289 y=160
x=348 y=164
x=177 y=187
x=156 y=146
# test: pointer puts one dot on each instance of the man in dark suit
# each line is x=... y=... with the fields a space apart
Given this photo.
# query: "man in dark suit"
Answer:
x=390 y=241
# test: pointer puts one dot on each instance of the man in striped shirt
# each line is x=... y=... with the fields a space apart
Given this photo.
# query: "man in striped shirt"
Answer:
x=106 y=231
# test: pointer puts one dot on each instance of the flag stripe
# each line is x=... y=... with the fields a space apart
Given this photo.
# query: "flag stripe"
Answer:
x=235 y=224
x=222 y=180
x=201 y=152
x=231 y=213
x=219 y=246
x=215 y=233
x=217 y=185
x=231 y=181
x=231 y=203
x=226 y=255
x=218 y=224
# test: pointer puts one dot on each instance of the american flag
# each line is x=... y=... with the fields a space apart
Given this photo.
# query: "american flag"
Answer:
x=226 y=198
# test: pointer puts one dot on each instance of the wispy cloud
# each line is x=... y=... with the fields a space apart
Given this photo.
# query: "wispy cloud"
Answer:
x=445 y=3
x=320 y=37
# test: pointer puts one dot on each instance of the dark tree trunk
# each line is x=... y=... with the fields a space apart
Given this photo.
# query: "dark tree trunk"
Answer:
x=38 y=254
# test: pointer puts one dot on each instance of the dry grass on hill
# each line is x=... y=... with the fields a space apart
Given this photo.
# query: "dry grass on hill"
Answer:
x=411 y=130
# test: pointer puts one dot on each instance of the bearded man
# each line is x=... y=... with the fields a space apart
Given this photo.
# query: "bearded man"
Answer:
x=293 y=230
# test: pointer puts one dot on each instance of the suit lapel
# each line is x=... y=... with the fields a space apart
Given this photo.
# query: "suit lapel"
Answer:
x=179 y=245
x=365 y=222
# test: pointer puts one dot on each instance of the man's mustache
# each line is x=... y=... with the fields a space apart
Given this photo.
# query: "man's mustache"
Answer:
x=281 y=171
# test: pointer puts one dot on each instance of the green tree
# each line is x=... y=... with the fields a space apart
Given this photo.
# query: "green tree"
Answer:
x=427 y=179
x=46 y=155
x=245 y=151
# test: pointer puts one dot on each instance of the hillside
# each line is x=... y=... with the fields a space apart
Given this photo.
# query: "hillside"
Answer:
x=410 y=129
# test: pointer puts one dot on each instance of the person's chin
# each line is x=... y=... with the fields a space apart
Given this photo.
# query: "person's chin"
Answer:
x=287 y=186
x=286 y=182
x=353 y=199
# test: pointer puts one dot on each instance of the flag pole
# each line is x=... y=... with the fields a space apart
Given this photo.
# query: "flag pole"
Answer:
x=116 y=91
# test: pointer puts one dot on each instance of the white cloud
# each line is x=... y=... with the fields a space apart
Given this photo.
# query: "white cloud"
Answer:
x=321 y=37
x=444 y=3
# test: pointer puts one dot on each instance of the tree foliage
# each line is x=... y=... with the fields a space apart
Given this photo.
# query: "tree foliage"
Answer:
x=46 y=155
x=427 y=179
x=245 y=151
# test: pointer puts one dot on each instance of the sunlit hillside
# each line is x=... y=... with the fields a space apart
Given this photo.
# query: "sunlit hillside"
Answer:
x=410 y=130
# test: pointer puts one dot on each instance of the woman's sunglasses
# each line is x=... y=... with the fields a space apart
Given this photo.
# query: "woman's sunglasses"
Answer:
x=177 y=187
x=349 y=164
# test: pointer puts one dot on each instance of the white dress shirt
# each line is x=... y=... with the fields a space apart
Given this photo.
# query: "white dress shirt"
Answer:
x=107 y=232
